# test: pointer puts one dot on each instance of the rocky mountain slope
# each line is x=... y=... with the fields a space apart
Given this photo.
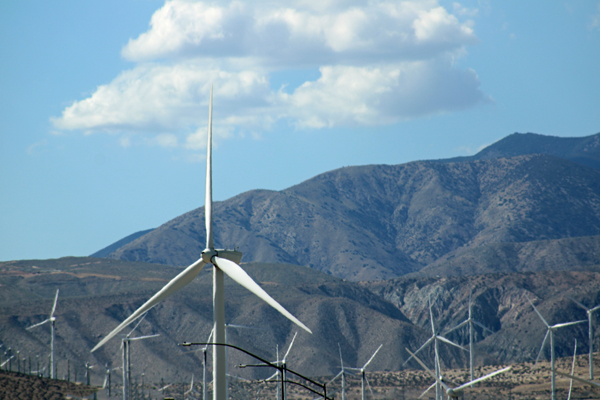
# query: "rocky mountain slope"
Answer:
x=384 y=221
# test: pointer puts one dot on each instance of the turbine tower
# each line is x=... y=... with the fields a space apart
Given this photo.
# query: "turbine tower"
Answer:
x=52 y=321
x=589 y=312
x=363 y=377
x=550 y=331
x=225 y=262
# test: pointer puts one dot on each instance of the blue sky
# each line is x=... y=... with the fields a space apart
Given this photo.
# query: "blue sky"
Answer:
x=103 y=105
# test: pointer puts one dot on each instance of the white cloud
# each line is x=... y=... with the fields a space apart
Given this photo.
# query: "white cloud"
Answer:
x=380 y=62
x=382 y=95
x=279 y=36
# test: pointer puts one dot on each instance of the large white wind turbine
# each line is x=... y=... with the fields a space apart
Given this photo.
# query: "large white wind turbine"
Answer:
x=52 y=321
x=589 y=312
x=435 y=338
x=363 y=376
x=550 y=331
x=225 y=262
x=469 y=321
x=457 y=392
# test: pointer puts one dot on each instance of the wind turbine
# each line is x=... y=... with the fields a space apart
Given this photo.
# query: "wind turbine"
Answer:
x=589 y=312
x=282 y=362
x=469 y=321
x=126 y=347
x=342 y=373
x=363 y=375
x=204 y=388
x=52 y=320
x=435 y=338
x=550 y=331
x=456 y=392
x=225 y=262
x=227 y=326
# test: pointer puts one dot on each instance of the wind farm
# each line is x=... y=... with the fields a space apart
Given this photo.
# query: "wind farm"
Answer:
x=397 y=325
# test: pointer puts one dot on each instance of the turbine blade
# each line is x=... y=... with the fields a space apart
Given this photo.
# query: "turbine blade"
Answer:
x=536 y=310
x=483 y=378
x=208 y=197
x=335 y=377
x=420 y=348
x=273 y=376
x=576 y=302
x=437 y=378
x=185 y=277
x=144 y=337
x=568 y=324
x=289 y=348
x=236 y=273
x=138 y=324
x=578 y=379
x=595 y=308
x=456 y=327
x=369 y=386
x=542 y=347
x=341 y=361
x=431 y=317
x=572 y=370
x=443 y=339
x=428 y=389
x=38 y=324
x=372 y=357
x=54 y=306
x=482 y=326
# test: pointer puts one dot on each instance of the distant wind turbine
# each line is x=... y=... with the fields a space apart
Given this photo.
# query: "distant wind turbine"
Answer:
x=457 y=391
x=281 y=362
x=550 y=331
x=225 y=262
x=126 y=346
x=469 y=321
x=589 y=312
x=52 y=321
x=342 y=373
x=435 y=338
x=363 y=376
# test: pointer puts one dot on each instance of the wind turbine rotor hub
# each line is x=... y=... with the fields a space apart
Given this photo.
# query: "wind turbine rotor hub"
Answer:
x=208 y=254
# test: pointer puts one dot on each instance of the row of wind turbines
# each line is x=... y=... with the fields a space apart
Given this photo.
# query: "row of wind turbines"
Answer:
x=226 y=262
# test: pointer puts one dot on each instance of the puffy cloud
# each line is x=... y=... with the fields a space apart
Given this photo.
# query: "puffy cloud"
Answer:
x=383 y=95
x=278 y=36
x=154 y=97
x=380 y=62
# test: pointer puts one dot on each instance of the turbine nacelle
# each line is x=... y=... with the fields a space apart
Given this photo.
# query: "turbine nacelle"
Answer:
x=231 y=255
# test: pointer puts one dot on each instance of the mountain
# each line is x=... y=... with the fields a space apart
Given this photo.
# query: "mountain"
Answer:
x=582 y=150
x=500 y=303
x=384 y=221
